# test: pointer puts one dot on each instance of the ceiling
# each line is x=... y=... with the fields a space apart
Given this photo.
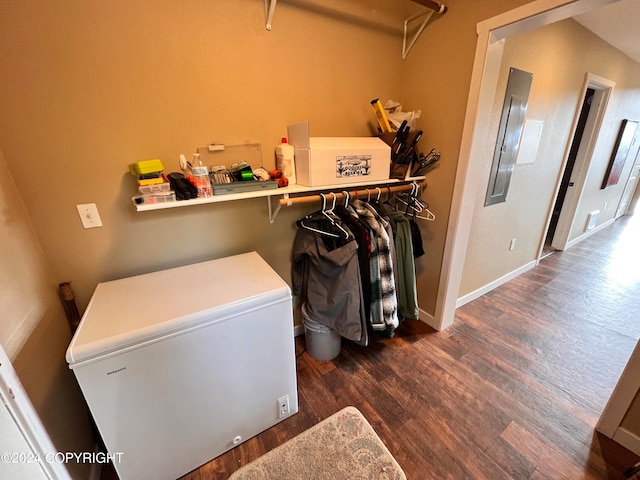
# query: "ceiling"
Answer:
x=616 y=23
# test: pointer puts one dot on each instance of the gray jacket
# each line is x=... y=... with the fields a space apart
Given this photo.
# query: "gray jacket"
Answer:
x=328 y=282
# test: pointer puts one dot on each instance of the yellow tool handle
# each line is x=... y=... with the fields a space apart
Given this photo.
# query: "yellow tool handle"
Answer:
x=381 y=115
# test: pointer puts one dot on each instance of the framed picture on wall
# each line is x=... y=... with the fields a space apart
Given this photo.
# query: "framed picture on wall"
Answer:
x=621 y=148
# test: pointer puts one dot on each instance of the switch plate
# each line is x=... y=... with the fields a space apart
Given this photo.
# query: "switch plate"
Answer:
x=89 y=215
x=512 y=244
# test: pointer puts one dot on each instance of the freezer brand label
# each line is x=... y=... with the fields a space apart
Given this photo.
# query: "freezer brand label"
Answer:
x=117 y=370
x=353 y=166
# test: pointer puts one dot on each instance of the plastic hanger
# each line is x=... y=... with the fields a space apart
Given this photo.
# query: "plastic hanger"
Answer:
x=410 y=202
x=301 y=223
x=329 y=212
x=415 y=204
x=347 y=197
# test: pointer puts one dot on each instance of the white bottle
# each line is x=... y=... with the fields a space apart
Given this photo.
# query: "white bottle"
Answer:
x=285 y=161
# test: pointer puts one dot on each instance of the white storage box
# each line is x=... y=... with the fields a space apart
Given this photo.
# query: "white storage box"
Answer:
x=338 y=160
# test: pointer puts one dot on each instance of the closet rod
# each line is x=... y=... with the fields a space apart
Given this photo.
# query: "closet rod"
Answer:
x=355 y=193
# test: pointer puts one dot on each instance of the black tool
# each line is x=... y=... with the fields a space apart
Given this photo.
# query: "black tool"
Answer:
x=183 y=188
x=416 y=139
x=425 y=160
x=399 y=132
x=398 y=141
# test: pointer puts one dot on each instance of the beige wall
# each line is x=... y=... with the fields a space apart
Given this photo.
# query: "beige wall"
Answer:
x=559 y=56
x=34 y=330
x=436 y=78
x=90 y=87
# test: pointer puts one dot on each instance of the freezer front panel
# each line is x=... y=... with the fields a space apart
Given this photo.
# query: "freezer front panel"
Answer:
x=172 y=405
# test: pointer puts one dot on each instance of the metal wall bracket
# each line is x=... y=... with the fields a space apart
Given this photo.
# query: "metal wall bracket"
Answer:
x=405 y=49
x=269 y=10
x=433 y=7
x=273 y=213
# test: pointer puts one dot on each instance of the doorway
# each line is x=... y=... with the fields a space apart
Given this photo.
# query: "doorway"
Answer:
x=492 y=34
x=568 y=171
x=588 y=120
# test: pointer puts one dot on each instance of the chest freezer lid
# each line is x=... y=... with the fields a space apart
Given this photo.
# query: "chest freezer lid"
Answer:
x=126 y=312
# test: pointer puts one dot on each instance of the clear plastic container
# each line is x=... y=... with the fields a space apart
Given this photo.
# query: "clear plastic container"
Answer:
x=201 y=175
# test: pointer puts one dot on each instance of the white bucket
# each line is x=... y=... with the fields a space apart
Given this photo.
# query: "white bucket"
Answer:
x=322 y=342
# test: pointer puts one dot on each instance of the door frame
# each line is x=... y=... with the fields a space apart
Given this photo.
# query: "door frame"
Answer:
x=484 y=78
x=603 y=89
x=15 y=399
x=623 y=395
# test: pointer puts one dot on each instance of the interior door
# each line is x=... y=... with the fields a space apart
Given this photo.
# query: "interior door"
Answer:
x=630 y=187
x=566 y=218
x=16 y=462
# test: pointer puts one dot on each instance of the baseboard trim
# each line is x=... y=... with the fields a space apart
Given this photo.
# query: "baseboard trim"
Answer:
x=496 y=283
x=429 y=319
x=586 y=235
x=627 y=439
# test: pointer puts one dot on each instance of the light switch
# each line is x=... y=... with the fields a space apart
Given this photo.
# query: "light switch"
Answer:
x=89 y=215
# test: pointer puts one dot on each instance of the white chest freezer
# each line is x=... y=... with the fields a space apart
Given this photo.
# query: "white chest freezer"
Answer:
x=181 y=365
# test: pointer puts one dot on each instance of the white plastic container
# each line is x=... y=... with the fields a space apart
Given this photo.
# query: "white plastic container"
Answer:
x=285 y=161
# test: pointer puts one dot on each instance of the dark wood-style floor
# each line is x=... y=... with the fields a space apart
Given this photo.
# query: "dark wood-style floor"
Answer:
x=512 y=390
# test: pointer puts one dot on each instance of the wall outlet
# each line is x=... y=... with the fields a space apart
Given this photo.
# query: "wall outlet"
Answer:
x=512 y=245
x=283 y=406
x=89 y=215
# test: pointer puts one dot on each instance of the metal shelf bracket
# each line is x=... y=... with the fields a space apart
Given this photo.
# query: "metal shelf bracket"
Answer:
x=269 y=10
x=433 y=7
x=273 y=213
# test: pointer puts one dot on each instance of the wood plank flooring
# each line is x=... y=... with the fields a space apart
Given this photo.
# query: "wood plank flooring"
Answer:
x=512 y=390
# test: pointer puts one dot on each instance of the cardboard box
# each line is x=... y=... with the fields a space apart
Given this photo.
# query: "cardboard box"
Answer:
x=337 y=160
